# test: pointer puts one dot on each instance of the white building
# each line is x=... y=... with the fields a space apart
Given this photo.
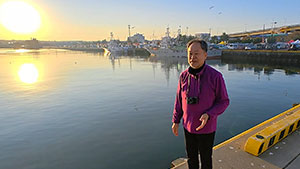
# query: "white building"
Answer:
x=137 y=38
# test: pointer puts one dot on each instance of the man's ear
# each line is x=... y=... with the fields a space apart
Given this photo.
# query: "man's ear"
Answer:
x=205 y=55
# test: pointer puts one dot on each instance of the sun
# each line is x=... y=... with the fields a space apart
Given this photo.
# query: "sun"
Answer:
x=19 y=17
x=28 y=73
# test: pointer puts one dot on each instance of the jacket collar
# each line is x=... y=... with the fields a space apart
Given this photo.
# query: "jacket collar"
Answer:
x=199 y=73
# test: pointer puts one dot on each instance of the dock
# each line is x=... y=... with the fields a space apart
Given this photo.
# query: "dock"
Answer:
x=275 y=55
x=231 y=153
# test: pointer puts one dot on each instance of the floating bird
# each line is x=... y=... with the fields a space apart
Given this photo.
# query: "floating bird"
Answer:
x=211 y=7
x=220 y=13
x=285 y=92
x=135 y=108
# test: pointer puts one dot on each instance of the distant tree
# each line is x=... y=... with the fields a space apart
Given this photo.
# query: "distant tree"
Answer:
x=224 y=37
x=256 y=40
x=234 y=41
x=183 y=39
x=294 y=35
x=190 y=38
x=104 y=41
x=214 y=39
x=271 y=40
x=117 y=41
x=247 y=40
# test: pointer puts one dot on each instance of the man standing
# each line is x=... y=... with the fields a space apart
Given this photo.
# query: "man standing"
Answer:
x=201 y=96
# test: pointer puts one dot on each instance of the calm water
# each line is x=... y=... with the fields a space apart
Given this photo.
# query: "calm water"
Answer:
x=86 y=110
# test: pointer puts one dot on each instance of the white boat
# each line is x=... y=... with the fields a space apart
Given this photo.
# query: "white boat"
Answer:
x=167 y=52
x=114 y=48
x=168 y=48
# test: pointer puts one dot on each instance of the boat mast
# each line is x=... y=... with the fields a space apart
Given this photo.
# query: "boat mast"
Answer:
x=111 y=36
x=168 y=32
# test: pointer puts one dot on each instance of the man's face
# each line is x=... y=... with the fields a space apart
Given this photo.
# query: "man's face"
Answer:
x=196 y=55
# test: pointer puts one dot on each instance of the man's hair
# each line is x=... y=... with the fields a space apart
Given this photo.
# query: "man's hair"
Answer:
x=202 y=43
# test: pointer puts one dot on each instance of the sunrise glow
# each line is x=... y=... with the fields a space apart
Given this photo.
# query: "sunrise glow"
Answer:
x=19 y=17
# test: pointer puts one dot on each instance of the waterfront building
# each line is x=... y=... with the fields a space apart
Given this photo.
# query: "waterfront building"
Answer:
x=137 y=38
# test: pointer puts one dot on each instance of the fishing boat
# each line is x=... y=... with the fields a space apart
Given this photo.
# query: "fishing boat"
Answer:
x=169 y=48
x=114 y=48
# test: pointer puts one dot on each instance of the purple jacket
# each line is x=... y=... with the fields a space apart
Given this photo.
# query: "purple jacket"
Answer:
x=210 y=88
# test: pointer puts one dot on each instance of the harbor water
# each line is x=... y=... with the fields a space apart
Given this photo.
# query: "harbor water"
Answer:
x=72 y=109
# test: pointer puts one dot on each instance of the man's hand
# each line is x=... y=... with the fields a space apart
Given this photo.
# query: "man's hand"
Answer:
x=203 y=119
x=175 y=128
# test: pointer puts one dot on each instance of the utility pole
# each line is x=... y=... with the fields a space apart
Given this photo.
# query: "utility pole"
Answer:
x=129 y=31
x=187 y=31
x=179 y=31
x=263 y=38
x=209 y=34
x=168 y=32
x=111 y=36
x=273 y=26
x=153 y=36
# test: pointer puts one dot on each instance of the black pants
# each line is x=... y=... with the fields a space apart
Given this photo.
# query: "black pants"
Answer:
x=199 y=143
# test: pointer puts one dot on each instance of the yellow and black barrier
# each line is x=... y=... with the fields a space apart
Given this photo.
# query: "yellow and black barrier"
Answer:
x=268 y=137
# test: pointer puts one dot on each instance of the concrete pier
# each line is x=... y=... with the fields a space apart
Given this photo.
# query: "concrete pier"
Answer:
x=231 y=155
x=263 y=55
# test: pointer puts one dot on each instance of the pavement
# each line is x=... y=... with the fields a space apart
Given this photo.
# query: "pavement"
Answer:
x=231 y=155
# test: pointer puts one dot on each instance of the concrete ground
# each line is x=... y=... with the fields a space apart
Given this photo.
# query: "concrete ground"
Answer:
x=285 y=154
x=231 y=155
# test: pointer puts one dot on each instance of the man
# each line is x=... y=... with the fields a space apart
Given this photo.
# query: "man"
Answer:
x=201 y=96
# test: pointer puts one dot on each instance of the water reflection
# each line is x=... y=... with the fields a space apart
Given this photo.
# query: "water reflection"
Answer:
x=177 y=64
x=239 y=65
x=28 y=73
x=258 y=66
x=267 y=66
x=44 y=69
x=113 y=59
x=166 y=64
x=22 y=50
x=80 y=99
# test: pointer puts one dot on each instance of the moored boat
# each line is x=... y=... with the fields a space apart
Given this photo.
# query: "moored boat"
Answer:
x=174 y=48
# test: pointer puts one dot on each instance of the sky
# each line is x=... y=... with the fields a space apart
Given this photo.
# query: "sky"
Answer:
x=92 y=20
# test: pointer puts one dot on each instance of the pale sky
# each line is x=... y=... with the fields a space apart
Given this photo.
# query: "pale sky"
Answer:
x=95 y=19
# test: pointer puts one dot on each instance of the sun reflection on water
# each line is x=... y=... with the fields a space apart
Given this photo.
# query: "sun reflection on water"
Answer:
x=28 y=73
x=22 y=50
